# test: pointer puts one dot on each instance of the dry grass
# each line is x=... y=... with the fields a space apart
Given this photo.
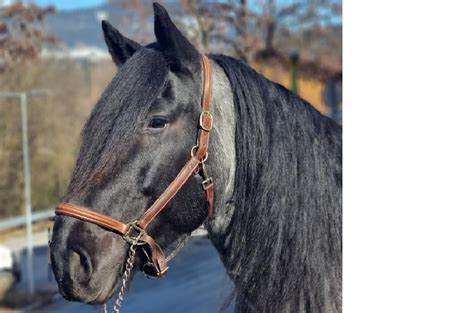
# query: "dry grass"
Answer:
x=55 y=123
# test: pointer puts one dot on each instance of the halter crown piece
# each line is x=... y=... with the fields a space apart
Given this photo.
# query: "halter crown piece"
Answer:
x=135 y=232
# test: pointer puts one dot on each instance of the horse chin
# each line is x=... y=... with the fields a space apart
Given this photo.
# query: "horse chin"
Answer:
x=105 y=294
x=93 y=298
x=89 y=295
x=101 y=298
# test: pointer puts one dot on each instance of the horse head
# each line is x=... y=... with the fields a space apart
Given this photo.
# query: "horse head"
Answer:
x=139 y=136
x=276 y=163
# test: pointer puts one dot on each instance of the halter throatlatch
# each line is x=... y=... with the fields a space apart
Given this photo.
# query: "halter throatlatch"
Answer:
x=135 y=232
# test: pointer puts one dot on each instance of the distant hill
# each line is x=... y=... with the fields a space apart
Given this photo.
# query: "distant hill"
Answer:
x=81 y=27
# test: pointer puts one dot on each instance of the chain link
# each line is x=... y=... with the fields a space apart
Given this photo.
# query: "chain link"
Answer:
x=128 y=269
x=125 y=278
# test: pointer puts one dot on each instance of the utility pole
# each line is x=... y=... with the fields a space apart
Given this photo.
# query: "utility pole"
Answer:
x=23 y=96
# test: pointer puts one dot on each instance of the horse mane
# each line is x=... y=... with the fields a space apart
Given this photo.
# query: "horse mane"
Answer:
x=284 y=244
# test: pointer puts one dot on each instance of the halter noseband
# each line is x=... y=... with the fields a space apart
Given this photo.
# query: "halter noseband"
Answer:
x=135 y=232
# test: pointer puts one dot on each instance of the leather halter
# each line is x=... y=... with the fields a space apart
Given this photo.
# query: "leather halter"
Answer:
x=135 y=232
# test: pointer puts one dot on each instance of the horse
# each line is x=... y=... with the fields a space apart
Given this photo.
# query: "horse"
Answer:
x=276 y=164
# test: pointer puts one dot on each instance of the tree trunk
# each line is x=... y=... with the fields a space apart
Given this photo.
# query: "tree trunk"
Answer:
x=271 y=25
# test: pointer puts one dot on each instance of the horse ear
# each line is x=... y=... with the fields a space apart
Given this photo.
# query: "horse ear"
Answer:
x=171 y=41
x=120 y=47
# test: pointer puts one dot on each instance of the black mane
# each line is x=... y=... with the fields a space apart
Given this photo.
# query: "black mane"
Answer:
x=284 y=246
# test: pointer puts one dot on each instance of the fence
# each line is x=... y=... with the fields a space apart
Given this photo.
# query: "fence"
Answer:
x=22 y=220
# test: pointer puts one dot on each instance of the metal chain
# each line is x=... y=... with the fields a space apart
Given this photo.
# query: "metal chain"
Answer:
x=125 y=278
x=128 y=269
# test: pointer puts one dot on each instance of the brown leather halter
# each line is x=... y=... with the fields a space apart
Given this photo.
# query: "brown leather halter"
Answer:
x=135 y=232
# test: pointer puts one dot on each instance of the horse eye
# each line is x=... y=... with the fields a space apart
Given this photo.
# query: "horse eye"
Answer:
x=157 y=122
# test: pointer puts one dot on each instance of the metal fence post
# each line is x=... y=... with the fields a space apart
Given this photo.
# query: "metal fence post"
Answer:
x=27 y=180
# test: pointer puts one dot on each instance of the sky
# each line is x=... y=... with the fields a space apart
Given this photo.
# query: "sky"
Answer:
x=70 y=4
x=74 y=4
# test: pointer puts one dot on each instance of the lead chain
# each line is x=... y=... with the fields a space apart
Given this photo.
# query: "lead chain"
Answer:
x=125 y=279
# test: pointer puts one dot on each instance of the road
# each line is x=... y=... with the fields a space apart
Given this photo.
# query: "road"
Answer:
x=196 y=282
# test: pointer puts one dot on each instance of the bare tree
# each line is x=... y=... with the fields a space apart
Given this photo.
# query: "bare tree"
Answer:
x=255 y=30
x=22 y=32
x=226 y=24
x=139 y=20
x=240 y=33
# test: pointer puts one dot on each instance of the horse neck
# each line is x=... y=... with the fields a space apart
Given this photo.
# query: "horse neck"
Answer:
x=282 y=244
x=222 y=157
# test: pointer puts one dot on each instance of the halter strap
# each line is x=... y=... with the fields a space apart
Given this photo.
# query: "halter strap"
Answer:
x=135 y=232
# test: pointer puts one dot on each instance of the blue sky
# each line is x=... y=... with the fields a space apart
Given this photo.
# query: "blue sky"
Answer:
x=74 y=4
x=69 y=4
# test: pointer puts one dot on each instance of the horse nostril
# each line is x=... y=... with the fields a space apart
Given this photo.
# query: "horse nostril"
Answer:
x=80 y=264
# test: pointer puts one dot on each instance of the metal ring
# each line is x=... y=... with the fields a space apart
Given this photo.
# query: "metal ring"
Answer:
x=193 y=153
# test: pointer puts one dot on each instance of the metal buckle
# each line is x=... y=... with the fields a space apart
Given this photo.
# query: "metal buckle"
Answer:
x=204 y=126
x=133 y=238
x=207 y=183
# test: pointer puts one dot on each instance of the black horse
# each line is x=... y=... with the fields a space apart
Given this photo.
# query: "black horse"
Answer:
x=276 y=163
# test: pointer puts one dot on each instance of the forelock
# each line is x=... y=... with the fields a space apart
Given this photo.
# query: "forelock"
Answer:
x=108 y=135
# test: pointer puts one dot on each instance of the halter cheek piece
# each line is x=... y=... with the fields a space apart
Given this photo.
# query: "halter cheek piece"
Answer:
x=135 y=232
